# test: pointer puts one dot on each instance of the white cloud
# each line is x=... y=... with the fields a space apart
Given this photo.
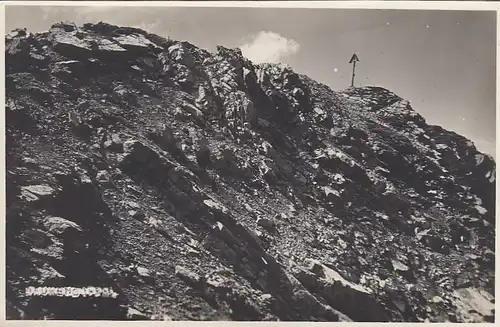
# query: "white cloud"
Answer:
x=269 y=47
x=150 y=27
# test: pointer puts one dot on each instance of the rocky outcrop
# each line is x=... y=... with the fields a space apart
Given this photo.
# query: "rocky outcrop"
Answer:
x=199 y=186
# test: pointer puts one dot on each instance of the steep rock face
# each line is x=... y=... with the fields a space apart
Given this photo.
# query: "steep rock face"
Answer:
x=201 y=186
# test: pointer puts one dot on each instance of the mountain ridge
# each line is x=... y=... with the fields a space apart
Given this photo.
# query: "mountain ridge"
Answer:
x=220 y=189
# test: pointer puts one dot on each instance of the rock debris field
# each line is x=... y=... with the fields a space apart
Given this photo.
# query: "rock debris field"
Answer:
x=200 y=186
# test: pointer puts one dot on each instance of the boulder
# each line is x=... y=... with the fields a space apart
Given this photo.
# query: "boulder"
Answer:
x=473 y=304
x=65 y=41
x=103 y=176
x=144 y=272
x=33 y=193
x=187 y=275
x=134 y=314
x=49 y=276
x=137 y=43
x=115 y=143
x=354 y=300
x=180 y=54
x=62 y=227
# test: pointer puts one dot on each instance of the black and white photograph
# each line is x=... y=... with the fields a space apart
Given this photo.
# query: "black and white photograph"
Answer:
x=250 y=163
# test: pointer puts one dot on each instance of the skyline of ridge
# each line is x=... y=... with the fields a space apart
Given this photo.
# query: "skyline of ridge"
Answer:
x=421 y=56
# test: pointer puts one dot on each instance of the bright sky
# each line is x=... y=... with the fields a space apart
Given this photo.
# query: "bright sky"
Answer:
x=443 y=62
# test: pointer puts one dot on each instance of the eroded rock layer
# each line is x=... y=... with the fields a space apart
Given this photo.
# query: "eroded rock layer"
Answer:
x=200 y=186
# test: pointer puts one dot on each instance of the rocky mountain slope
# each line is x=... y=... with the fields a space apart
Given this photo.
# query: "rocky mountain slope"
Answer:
x=200 y=186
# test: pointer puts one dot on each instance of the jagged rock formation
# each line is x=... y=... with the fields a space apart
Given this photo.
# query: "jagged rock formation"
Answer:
x=201 y=186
